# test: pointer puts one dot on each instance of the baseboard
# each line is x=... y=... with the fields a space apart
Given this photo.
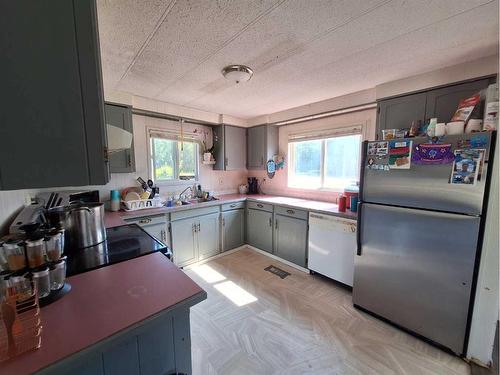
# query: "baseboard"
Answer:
x=215 y=257
x=278 y=258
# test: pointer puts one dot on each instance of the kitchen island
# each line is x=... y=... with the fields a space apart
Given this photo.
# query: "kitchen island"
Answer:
x=128 y=318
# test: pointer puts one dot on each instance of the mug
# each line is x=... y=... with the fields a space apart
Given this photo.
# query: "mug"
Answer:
x=440 y=129
x=473 y=125
x=455 y=127
x=354 y=204
x=342 y=203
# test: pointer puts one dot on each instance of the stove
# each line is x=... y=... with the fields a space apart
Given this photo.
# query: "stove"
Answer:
x=123 y=243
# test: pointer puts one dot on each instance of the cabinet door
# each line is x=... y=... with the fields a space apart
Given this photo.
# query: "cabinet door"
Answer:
x=442 y=103
x=52 y=110
x=291 y=239
x=184 y=247
x=235 y=146
x=208 y=235
x=256 y=147
x=233 y=229
x=158 y=231
x=121 y=117
x=398 y=113
x=260 y=229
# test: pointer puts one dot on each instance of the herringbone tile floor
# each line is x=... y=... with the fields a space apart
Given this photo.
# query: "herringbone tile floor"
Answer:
x=302 y=324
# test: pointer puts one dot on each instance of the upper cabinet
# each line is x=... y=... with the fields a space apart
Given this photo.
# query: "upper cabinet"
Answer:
x=262 y=145
x=120 y=115
x=52 y=119
x=400 y=112
x=230 y=147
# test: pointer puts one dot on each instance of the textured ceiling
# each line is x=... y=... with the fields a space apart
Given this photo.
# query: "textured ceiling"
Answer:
x=301 y=51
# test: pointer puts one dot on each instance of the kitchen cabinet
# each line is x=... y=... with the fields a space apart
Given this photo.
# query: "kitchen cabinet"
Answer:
x=262 y=145
x=120 y=115
x=291 y=239
x=230 y=147
x=260 y=229
x=442 y=103
x=195 y=238
x=184 y=241
x=400 y=112
x=233 y=229
x=207 y=236
x=52 y=115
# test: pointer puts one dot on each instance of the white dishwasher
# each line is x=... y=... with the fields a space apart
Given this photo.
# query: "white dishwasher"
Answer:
x=332 y=245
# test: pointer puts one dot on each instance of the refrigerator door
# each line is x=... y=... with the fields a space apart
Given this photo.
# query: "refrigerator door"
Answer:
x=415 y=268
x=427 y=186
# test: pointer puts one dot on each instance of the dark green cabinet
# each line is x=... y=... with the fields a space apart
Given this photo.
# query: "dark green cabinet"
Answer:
x=262 y=145
x=260 y=229
x=195 y=238
x=400 y=112
x=291 y=239
x=233 y=229
x=121 y=116
x=230 y=147
x=52 y=116
x=442 y=103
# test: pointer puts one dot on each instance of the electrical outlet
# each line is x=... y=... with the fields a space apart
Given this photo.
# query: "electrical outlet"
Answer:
x=221 y=181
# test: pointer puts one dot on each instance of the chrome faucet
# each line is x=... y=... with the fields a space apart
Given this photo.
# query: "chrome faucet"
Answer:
x=182 y=192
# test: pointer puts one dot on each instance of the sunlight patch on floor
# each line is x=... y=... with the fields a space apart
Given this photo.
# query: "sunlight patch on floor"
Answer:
x=208 y=274
x=235 y=293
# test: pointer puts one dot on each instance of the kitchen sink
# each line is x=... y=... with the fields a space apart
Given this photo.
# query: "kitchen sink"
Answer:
x=202 y=200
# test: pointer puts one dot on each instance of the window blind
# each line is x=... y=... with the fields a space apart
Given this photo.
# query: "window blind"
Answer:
x=326 y=133
x=172 y=135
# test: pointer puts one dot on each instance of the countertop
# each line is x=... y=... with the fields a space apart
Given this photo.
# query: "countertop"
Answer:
x=103 y=302
x=113 y=219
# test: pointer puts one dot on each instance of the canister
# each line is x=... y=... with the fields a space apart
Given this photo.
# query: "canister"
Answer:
x=14 y=250
x=41 y=279
x=35 y=251
x=57 y=274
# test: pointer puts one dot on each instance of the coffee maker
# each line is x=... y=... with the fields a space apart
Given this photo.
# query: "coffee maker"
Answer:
x=253 y=185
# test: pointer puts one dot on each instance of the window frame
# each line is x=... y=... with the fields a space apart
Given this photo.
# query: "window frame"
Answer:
x=323 y=157
x=172 y=136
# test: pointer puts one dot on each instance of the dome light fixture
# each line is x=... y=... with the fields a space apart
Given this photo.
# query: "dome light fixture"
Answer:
x=237 y=73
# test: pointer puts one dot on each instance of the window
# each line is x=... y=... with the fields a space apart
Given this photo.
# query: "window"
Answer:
x=326 y=163
x=172 y=160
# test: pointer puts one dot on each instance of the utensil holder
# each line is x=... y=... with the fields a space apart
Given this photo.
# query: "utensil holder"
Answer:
x=26 y=328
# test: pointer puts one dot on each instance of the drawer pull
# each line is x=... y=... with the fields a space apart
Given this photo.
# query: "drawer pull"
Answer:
x=290 y=212
x=260 y=205
x=232 y=205
x=145 y=221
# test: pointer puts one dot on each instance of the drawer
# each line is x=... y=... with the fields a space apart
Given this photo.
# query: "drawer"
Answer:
x=194 y=212
x=147 y=220
x=260 y=206
x=233 y=206
x=292 y=212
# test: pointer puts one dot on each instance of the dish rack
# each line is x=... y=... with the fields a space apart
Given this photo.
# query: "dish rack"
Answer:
x=142 y=204
x=22 y=314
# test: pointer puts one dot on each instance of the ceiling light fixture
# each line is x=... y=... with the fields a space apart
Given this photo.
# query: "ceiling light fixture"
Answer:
x=237 y=73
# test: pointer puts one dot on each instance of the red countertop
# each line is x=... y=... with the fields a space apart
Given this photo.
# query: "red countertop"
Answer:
x=114 y=219
x=104 y=302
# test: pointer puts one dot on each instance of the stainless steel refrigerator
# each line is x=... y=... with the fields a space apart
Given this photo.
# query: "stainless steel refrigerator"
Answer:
x=420 y=224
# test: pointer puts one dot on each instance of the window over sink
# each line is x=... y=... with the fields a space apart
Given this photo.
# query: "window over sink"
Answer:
x=324 y=161
x=173 y=159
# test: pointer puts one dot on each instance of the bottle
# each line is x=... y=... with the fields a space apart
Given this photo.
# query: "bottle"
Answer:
x=114 y=200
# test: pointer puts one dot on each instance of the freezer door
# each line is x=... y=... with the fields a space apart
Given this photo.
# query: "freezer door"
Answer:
x=415 y=268
x=426 y=186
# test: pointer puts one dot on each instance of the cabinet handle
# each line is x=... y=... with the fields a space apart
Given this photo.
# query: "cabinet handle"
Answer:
x=223 y=222
x=290 y=212
x=232 y=205
x=225 y=162
x=260 y=205
x=129 y=160
x=276 y=222
x=194 y=228
x=145 y=221
x=271 y=222
x=199 y=227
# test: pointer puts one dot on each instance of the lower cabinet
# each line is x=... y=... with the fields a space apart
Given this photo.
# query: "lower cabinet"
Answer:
x=195 y=238
x=260 y=229
x=291 y=239
x=233 y=229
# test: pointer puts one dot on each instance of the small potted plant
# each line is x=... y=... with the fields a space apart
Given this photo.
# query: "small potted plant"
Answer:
x=207 y=152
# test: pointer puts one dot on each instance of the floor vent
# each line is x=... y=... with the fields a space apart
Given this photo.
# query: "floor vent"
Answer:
x=277 y=271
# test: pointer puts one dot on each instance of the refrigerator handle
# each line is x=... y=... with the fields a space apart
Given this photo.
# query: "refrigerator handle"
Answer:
x=358 y=230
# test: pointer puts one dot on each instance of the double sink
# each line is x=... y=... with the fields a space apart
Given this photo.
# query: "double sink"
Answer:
x=198 y=200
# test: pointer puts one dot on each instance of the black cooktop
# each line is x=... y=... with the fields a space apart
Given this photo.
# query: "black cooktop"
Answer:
x=123 y=243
